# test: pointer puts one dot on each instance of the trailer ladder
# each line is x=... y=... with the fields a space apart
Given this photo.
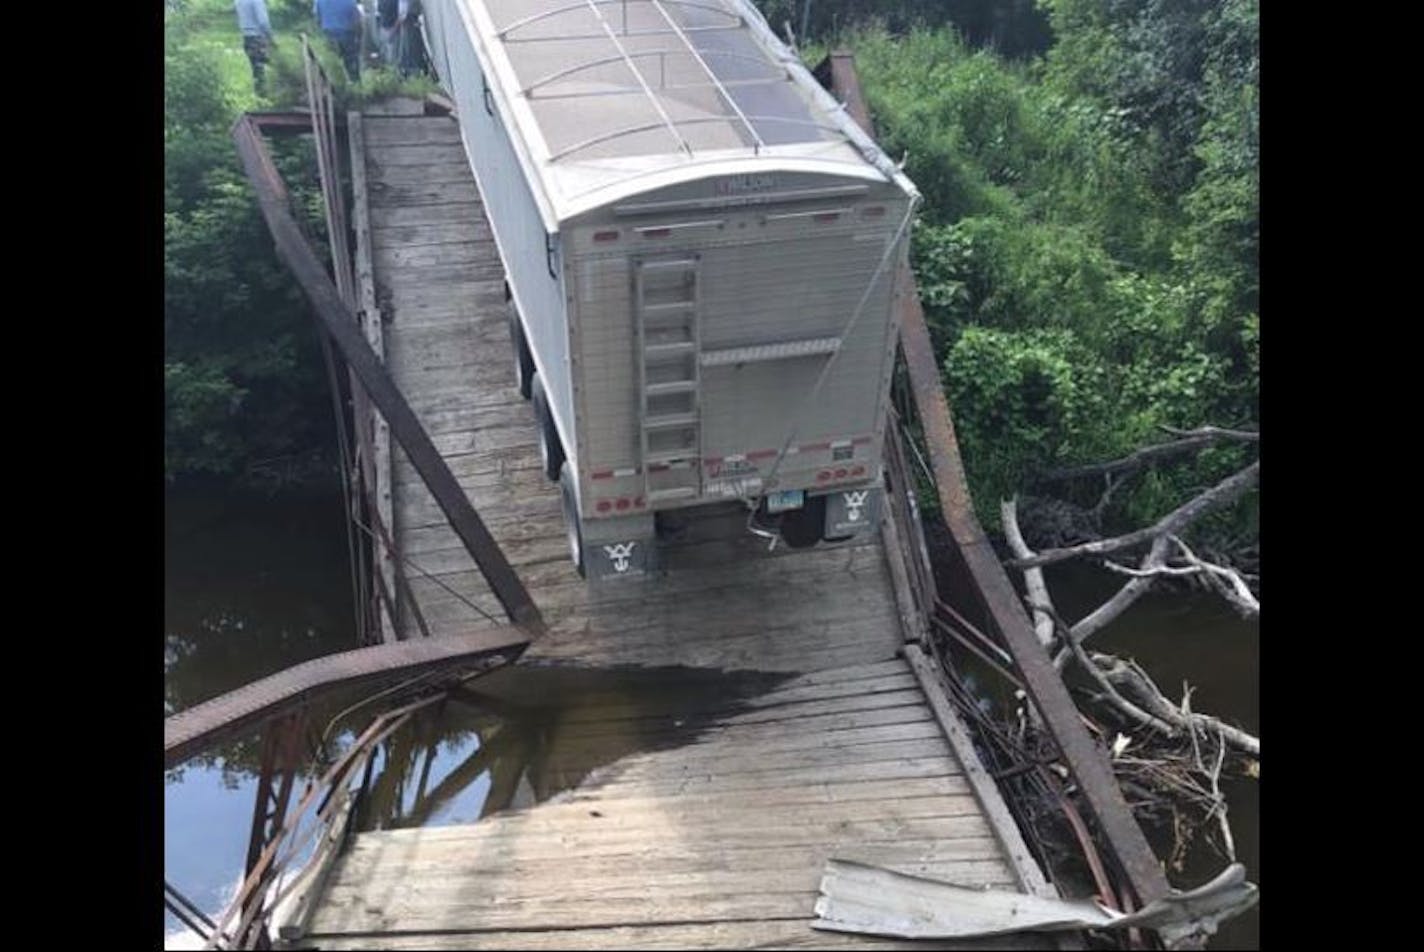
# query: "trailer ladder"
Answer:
x=666 y=295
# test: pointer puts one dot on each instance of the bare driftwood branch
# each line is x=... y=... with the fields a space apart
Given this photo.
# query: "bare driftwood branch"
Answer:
x=1227 y=581
x=1106 y=613
x=1187 y=441
x=1223 y=493
x=1132 y=682
x=1038 y=597
x=1219 y=432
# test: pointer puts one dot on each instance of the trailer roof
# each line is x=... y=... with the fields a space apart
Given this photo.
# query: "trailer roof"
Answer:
x=613 y=98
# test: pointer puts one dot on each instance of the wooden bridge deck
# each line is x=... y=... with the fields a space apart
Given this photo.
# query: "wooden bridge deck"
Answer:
x=719 y=840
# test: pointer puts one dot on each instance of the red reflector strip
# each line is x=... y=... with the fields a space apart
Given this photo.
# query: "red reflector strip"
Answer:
x=812 y=447
x=761 y=454
x=601 y=474
x=825 y=217
x=605 y=236
x=656 y=232
x=873 y=211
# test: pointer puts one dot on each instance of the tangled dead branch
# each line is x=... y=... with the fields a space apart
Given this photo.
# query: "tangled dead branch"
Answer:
x=1177 y=755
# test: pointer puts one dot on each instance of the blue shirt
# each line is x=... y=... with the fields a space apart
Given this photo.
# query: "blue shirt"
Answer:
x=337 y=16
x=252 y=18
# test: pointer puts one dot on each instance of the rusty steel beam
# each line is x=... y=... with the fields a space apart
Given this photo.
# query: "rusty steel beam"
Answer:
x=341 y=323
x=202 y=725
x=1087 y=762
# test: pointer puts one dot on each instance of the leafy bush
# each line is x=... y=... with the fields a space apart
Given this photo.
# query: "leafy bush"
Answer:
x=1087 y=251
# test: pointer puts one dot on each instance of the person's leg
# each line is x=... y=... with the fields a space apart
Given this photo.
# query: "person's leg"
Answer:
x=256 y=49
x=351 y=54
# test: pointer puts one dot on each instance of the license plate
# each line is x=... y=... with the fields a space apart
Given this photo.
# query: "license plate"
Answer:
x=786 y=499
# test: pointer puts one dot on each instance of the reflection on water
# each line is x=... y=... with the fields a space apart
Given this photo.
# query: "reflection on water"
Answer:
x=256 y=585
x=251 y=585
x=527 y=733
x=1198 y=639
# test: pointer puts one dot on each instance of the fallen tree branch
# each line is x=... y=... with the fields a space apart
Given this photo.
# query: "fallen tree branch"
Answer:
x=1234 y=588
x=1188 y=440
x=1038 y=597
x=1218 y=432
x=1108 y=612
x=1223 y=493
x=1131 y=680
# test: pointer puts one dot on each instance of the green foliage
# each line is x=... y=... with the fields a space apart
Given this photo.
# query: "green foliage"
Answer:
x=1087 y=251
x=243 y=380
x=1010 y=27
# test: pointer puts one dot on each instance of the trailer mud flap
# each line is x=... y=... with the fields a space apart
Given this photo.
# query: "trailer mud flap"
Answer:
x=851 y=511
x=619 y=548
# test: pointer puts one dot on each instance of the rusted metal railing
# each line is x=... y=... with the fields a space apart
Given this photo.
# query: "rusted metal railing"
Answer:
x=1001 y=634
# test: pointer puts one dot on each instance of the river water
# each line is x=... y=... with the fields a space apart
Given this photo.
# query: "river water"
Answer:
x=255 y=584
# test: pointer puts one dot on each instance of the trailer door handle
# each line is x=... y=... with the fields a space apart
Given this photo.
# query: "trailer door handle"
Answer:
x=489 y=100
x=550 y=247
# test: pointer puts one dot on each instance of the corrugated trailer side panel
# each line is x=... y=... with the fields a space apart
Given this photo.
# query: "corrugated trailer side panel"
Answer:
x=535 y=277
x=767 y=275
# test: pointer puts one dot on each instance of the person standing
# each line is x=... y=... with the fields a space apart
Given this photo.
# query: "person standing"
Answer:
x=340 y=20
x=389 y=16
x=256 y=37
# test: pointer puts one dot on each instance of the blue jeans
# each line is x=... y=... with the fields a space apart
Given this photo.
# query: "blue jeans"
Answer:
x=348 y=42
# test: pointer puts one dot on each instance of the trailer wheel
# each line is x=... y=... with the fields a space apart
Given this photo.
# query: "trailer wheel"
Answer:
x=551 y=450
x=572 y=526
x=801 y=528
x=523 y=360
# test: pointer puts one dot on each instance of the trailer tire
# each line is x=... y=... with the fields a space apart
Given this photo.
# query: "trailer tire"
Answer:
x=801 y=528
x=574 y=528
x=523 y=359
x=551 y=449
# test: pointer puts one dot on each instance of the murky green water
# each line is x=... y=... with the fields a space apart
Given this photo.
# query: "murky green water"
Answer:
x=254 y=585
x=1198 y=640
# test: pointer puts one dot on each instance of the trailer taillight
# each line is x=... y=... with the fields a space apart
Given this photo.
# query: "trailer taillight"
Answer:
x=611 y=235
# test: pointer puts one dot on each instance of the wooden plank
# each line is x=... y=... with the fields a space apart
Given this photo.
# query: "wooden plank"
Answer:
x=389 y=155
x=384 y=131
x=450 y=212
x=414 y=236
x=540 y=885
x=433 y=173
x=422 y=193
x=582 y=799
x=1045 y=686
x=477 y=911
x=293 y=248
x=616 y=826
x=793 y=933
x=386 y=564
x=609 y=781
x=1030 y=876
x=410 y=256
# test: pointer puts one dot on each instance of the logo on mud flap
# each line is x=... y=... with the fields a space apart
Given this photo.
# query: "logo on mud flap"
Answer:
x=854 y=502
x=620 y=555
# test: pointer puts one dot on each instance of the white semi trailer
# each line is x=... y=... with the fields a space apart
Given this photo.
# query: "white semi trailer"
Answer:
x=701 y=251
